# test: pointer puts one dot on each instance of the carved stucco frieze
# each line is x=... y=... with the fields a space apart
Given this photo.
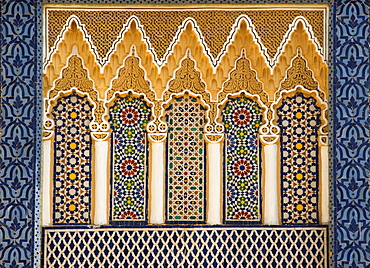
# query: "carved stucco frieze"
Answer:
x=188 y=78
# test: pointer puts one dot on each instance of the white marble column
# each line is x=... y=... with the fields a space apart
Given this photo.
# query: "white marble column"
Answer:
x=214 y=182
x=47 y=162
x=270 y=197
x=157 y=182
x=324 y=178
x=100 y=182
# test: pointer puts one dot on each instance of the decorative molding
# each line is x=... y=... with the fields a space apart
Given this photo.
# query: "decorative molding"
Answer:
x=157 y=137
x=188 y=80
x=214 y=138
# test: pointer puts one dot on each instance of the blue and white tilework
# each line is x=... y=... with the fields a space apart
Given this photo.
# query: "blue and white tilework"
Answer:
x=20 y=147
x=351 y=135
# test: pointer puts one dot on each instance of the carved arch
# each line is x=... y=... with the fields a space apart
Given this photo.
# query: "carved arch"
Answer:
x=131 y=78
x=307 y=93
x=243 y=80
x=188 y=80
x=74 y=78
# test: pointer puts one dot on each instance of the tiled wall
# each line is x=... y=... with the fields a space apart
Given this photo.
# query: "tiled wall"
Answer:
x=21 y=136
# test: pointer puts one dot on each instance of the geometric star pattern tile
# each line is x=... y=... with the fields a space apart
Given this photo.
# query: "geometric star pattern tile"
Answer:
x=186 y=160
x=21 y=41
x=72 y=166
x=242 y=118
x=299 y=121
x=128 y=119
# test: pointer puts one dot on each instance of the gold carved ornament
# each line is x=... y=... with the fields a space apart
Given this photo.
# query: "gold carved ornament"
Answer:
x=75 y=76
x=188 y=78
x=215 y=25
x=131 y=77
x=299 y=75
x=243 y=78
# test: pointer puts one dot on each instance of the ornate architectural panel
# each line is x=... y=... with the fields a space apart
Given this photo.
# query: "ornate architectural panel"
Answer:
x=215 y=25
x=131 y=77
x=162 y=45
x=300 y=74
x=72 y=161
x=187 y=77
x=185 y=160
x=129 y=117
x=242 y=118
x=21 y=125
x=299 y=120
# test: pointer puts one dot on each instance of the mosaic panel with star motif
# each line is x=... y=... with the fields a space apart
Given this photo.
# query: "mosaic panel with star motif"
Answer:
x=72 y=164
x=242 y=118
x=186 y=160
x=128 y=119
x=299 y=121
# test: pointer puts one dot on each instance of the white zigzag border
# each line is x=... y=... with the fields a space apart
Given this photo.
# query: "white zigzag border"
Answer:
x=160 y=62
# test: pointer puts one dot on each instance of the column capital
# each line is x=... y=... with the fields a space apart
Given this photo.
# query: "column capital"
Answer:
x=100 y=136
x=269 y=139
x=213 y=137
x=157 y=137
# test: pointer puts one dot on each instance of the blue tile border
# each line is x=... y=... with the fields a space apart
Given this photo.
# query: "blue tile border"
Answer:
x=20 y=149
x=350 y=135
x=21 y=104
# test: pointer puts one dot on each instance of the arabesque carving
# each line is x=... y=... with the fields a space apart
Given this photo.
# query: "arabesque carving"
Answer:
x=188 y=78
x=246 y=31
x=215 y=55
x=76 y=76
x=132 y=76
x=243 y=78
x=300 y=75
x=214 y=24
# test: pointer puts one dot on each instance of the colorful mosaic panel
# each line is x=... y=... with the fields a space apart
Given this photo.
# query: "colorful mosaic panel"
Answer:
x=72 y=170
x=299 y=120
x=128 y=119
x=186 y=160
x=242 y=118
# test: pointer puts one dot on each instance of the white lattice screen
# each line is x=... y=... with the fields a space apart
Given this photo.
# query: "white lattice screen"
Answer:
x=186 y=247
